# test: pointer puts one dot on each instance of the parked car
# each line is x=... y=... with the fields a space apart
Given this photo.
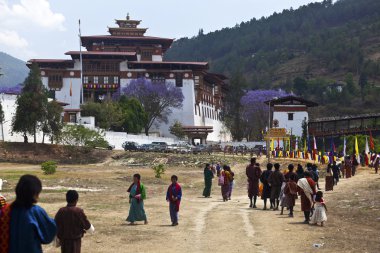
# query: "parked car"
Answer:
x=159 y=146
x=131 y=146
x=144 y=147
x=184 y=149
x=173 y=148
x=201 y=148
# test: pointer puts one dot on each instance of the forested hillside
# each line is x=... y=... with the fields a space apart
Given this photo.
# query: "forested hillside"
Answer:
x=13 y=71
x=328 y=52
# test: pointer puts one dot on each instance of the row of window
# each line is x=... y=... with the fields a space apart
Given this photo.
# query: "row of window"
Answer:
x=101 y=67
x=207 y=112
x=101 y=79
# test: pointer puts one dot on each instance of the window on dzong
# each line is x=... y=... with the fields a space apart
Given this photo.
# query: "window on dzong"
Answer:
x=157 y=78
x=85 y=79
x=146 y=55
x=290 y=116
x=196 y=80
x=106 y=80
x=115 y=79
x=96 y=79
x=178 y=80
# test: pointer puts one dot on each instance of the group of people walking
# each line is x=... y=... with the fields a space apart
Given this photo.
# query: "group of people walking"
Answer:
x=282 y=189
x=337 y=170
x=225 y=180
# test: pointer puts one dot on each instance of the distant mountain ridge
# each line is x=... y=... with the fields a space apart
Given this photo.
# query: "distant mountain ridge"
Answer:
x=13 y=71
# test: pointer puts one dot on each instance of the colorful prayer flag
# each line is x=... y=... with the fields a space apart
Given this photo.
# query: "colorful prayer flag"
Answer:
x=344 y=146
x=366 y=153
x=357 y=149
x=366 y=146
x=371 y=143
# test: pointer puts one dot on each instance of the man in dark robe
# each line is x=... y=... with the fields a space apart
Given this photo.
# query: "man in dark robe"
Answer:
x=266 y=186
x=336 y=173
x=72 y=223
x=275 y=180
x=253 y=173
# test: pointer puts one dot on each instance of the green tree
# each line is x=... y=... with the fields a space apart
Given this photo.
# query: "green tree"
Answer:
x=134 y=117
x=177 y=130
x=232 y=114
x=363 y=81
x=304 y=135
x=107 y=114
x=351 y=84
x=31 y=105
x=53 y=124
x=1 y=114
x=300 y=85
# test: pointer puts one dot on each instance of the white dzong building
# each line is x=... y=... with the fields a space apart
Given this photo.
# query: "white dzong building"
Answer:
x=111 y=62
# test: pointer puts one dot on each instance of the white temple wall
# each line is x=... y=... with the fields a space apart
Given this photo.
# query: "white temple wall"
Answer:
x=63 y=95
x=8 y=103
x=294 y=125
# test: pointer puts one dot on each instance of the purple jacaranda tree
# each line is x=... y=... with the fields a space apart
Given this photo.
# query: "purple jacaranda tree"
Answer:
x=255 y=111
x=12 y=90
x=158 y=99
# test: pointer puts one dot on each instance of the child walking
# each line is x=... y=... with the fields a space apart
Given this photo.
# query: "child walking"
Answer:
x=173 y=196
x=72 y=223
x=319 y=215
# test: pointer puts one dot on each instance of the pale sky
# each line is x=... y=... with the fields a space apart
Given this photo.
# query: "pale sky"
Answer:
x=48 y=29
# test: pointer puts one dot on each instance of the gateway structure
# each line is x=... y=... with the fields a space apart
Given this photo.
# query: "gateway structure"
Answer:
x=111 y=62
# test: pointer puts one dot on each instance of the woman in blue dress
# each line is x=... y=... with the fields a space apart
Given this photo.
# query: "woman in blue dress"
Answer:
x=24 y=226
x=137 y=194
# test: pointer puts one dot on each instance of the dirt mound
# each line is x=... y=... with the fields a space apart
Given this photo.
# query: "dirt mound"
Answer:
x=37 y=153
x=170 y=159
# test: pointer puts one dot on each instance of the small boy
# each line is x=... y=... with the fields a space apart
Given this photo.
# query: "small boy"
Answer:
x=72 y=223
x=173 y=196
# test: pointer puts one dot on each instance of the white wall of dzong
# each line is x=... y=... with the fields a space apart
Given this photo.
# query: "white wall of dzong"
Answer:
x=8 y=102
x=185 y=115
x=295 y=125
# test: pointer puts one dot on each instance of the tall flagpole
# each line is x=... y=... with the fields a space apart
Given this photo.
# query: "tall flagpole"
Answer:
x=81 y=65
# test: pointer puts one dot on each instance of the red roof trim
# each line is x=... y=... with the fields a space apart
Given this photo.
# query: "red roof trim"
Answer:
x=169 y=62
x=123 y=37
x=50 y=60
x=101 y=53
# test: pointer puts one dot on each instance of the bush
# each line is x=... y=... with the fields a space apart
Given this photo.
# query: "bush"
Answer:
x=49 y=167
x=159 y=170
x=78 y=135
